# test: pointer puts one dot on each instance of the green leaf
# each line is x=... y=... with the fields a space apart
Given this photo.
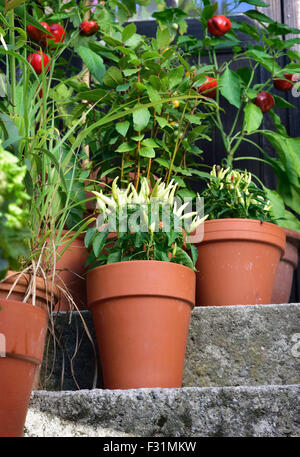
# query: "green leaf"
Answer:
x=231 y=87
x=147 y=152
x=92 y=95
x=260 y=17
x=257 y=3
x=89 y=235
x=183 y=258
x=141 y=118
x=194 y=253
x=122 y=127
x=125 y=147
x=162 y=121
x=253 y=117
x=128 y=32
x=113 y=77
x=99 y=243
x=282 y=103
x=154 y=98
x=149 y=142
x=93 y=62
x=163 y=38
x=130 y=71
x=114 y=257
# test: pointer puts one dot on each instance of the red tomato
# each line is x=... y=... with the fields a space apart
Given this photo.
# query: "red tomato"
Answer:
x=283 y=84
x=88 y=28
x=218 y=25
x=58 y=32
x=36 y=34
x=38 y=60
x=264 y=101
x=208 y=88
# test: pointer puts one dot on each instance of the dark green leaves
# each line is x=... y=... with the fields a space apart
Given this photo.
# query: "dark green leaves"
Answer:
x=93 y=62
x=253 y=117
x=113 y=77
x=231 y=87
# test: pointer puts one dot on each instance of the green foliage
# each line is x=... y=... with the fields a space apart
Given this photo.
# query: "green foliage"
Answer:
x=14 y=232
x=233 y=194
x=144 y=225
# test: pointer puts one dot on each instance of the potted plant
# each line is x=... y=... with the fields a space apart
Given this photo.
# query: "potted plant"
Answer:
x=285 y=208
x=254 y=103
x=23 y=326
x=242 y=247
x=141 y=285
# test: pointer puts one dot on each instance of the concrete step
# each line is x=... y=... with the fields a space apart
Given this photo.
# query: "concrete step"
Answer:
x=227 y=346
x=248 y=411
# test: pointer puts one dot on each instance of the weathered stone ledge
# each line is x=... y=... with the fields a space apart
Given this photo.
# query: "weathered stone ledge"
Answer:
x=227 y=346
x=188 y=412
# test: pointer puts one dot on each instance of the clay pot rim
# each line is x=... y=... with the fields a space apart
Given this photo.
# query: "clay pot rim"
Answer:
x=24 y=281
x=292 y=236
x=25 y=305
x=141 y=261
x=135 y=288
x=242 y=226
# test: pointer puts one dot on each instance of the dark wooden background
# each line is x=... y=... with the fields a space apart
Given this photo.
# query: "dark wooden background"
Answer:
x=214 y=151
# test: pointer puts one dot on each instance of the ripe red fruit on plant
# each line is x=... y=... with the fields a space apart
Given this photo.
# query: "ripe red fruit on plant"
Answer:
x=218 y=25
x=36 y=34
x=208 y=88
x=58 y=32
x=38 y=60
x=88 y=28
x=264 y=101
x=283 y=84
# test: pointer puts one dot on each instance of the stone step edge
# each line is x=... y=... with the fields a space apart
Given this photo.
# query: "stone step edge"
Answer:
x=271 y=410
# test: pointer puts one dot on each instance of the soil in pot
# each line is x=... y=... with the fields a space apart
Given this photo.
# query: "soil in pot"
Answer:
x=237 y=262
x=23 y=328
x=141 y=312
x=287 y=265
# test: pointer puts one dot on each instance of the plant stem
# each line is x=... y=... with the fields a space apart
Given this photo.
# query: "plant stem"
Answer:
x=12 y=62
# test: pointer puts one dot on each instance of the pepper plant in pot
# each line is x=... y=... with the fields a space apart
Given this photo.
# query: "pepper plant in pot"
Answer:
x=242 y=247
x=254 y=105
x=141 y=284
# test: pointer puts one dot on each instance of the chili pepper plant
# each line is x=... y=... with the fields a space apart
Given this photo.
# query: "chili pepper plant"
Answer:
x=234 y=80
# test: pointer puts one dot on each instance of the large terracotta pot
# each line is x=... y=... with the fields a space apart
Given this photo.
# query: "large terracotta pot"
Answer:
x=141 y=312
x=23 y=329
x=71 y=269
x=285 y=271
x=237 y=262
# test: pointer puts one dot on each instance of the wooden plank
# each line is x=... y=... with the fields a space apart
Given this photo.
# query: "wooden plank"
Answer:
x=273 y=10
x=291 y=17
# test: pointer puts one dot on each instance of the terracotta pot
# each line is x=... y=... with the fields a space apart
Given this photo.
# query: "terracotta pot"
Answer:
x=237 y=262
x=141 y=312
x=285 y=271
x=71 y=269
x=43 y=290
x=24 y=328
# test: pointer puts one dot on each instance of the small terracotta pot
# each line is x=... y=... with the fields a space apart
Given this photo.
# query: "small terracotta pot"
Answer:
x=23 y=329
x=43 y=290
x=237 y=262
x=71 y=269
x=287 y=265
x=141 y=312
